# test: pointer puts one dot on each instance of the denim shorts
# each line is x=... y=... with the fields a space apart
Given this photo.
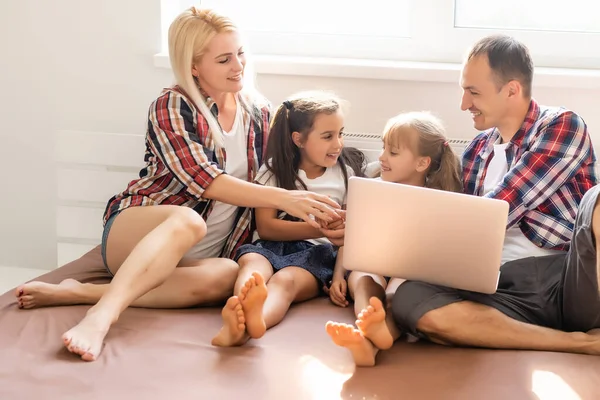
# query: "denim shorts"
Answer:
x=105 y=233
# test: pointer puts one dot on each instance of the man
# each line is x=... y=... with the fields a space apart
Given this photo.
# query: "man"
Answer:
x=541 y=161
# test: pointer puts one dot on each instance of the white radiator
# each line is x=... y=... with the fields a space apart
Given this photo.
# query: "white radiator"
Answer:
x=93 y=166
x=370 y=143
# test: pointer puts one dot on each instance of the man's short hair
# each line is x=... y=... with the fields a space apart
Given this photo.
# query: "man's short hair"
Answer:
x=508 y=58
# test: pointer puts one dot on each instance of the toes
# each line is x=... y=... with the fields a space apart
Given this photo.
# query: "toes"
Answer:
x=27 y=305
x=232 y=302
x=251 y=282
x=19 y=291
x=375 y=303
x=330 y=328
x=67 y=339
x=258 y=278
x=26 y=298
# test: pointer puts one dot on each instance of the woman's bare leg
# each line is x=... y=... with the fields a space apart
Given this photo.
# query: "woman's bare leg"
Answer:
x=144 y=246
x=195 y=282
x=363 y=286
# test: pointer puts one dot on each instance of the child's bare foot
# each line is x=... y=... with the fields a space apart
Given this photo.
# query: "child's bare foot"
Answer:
x=39 y=294
x=347 y=336
x=86 y=338
x=233 y=332
x=252 y=296
x=371 y=323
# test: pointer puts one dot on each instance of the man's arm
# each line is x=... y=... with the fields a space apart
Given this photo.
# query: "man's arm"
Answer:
x=555 y=157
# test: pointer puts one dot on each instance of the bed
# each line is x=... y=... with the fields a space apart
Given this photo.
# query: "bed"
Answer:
x=159 y=354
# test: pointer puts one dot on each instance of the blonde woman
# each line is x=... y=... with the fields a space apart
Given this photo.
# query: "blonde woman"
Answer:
x=164 y=234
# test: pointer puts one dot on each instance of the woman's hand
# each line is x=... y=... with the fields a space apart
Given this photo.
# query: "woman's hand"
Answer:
x=302 y=204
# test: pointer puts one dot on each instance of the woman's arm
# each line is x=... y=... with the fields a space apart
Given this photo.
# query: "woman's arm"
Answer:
x=270 y=227
x=299 y=203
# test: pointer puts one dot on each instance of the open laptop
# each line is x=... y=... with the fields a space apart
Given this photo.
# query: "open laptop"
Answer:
x=428 y=235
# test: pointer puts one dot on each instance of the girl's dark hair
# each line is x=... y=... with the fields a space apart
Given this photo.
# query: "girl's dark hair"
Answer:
x=298 y=114
x=425 y=136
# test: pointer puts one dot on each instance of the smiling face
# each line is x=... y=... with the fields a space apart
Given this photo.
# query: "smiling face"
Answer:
x=221 y=67
x=399 y=163
x=323 y=144
x=486 y=100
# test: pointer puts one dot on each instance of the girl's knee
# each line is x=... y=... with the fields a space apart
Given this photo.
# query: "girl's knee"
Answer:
x=284 y=280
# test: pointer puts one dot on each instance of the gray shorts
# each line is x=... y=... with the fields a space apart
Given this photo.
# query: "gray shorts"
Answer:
x=558 y=291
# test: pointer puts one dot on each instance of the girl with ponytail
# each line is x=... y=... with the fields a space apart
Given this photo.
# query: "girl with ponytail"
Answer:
x=292 y=261
x=415 y=152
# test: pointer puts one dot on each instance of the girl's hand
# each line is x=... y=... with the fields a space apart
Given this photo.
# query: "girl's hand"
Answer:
x=337 y=292
x=302 y=204
x=339 y=224
x=336 y=237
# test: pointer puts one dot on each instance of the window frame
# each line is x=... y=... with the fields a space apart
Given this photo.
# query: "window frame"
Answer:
x=422 y=47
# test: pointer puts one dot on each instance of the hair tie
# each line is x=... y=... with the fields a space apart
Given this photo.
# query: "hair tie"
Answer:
x=446 y=143
x=288 y=104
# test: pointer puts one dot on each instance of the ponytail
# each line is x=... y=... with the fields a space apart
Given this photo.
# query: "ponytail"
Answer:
x=353 y=158
x=448 y=175
x=282 y=155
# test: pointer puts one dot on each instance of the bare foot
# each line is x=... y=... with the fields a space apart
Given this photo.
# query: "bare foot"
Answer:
x=344 y=335
x=233 y=332
x=86 y=338
x=39 y=294
x=252 y=296
x=371 y=323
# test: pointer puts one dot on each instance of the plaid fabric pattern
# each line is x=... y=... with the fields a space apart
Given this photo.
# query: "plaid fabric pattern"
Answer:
x=182 y=160
x=551 y=164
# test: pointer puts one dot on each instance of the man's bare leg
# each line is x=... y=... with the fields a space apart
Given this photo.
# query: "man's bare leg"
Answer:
x=193 y=283
x=472 y=324
x=345 y=335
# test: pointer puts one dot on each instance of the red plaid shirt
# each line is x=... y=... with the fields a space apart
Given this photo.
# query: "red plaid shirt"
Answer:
x=551 y=164
x=182 y=160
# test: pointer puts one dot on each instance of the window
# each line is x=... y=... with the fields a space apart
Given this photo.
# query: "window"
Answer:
x=540 y=15
x=558 y=33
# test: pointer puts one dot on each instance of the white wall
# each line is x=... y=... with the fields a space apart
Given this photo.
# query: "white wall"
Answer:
x=87 y=66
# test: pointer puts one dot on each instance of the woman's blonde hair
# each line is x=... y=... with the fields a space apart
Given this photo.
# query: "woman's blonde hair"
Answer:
x=425 y=136
x=189 y=35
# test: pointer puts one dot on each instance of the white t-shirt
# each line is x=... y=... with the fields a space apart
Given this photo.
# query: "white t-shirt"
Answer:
x=222 y=217
x=331 y=184
x=516 y=244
